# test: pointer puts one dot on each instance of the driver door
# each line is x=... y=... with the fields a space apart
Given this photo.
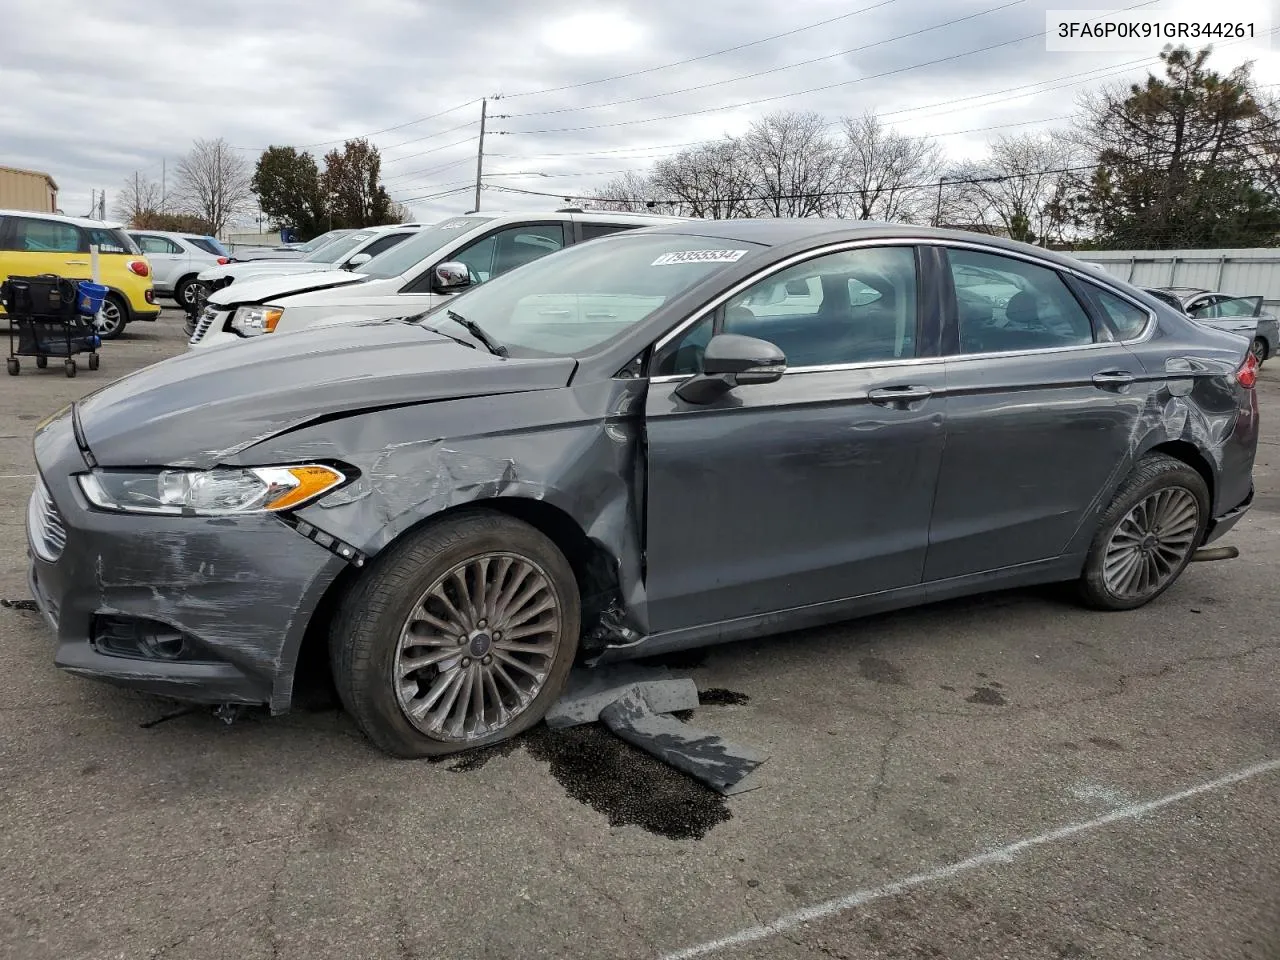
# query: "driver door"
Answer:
x=811 y=489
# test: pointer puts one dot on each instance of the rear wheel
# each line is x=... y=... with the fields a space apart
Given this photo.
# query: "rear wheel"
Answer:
x=113 y=316
x=1259 y=350
x=1147 y=535
x=460 y=636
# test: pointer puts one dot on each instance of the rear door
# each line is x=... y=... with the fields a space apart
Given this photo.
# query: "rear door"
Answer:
x=1041 y=406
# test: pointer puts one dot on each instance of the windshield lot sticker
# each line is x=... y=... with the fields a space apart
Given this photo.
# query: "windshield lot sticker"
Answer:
x=699 y=256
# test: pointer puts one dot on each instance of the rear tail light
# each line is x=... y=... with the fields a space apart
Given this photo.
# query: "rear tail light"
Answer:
x=1247 y=375
x=223 y=261
x=140 y=267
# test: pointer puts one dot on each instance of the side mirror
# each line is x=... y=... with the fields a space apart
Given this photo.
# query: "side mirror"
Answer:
x=732 y=361
x=360 y=259
x=451 y=276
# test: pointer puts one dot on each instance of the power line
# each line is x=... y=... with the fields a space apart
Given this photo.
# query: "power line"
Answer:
x=373 y=133
x=427 y=173
x=798 y=93
x=705 y=56
x=929 y=185
x=429 y=136
x=763 y=73
x=931 y=136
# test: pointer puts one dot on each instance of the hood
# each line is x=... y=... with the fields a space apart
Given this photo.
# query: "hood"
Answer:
x=197 y=409
x=260 y=288
x=251 y=268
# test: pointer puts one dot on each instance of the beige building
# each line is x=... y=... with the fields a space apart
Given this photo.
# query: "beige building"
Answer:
x=27 y=190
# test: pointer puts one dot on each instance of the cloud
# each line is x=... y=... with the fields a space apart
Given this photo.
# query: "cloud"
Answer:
x=129 y=86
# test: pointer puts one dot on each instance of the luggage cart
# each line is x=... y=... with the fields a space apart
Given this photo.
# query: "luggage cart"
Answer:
x=51 y=316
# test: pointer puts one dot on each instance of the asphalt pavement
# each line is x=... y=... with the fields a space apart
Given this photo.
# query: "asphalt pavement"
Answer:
x=1003 y=776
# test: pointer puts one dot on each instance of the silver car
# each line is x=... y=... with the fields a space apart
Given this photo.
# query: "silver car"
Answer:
x=1242 y=315
x=177 y=258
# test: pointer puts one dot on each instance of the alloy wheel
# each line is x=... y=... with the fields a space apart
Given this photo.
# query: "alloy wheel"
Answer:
x=477 y=648
x=1151 y=544
x=108 y=319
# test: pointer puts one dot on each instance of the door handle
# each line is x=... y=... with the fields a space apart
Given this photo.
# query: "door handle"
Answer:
x=1111 y=379
x=77 y=263
x=898 y=396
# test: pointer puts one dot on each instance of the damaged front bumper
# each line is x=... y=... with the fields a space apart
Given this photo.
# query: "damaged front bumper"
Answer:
x=203 y=609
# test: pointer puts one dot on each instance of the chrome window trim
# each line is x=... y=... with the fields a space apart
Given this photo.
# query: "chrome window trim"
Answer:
x=1079 y=273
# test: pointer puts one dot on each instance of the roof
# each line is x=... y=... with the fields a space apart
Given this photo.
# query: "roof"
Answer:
x=34 y=173
x=62 y=218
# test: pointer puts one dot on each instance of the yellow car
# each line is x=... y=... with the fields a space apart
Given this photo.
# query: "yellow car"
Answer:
x=36 y=243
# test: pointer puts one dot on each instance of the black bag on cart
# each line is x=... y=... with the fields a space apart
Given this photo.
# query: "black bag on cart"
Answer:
x=46 y=297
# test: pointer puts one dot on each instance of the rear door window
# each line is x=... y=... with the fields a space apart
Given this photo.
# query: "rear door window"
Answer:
x=1004 y=304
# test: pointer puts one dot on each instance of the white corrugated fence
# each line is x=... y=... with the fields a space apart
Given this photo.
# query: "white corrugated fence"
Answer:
x=1242 y=272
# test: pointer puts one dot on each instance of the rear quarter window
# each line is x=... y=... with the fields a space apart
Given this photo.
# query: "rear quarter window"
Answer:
x=1128 y=319
x=111 y=241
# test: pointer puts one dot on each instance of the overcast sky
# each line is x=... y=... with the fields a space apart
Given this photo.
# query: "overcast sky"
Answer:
x=91 y=92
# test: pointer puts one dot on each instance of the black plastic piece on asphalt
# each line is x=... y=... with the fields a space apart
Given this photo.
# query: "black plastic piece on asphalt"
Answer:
x=703 y=755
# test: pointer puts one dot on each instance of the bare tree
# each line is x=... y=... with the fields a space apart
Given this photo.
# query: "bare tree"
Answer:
x=711 y=180
x=137 y=200
x=1019 y=187
x=793 y=164
x=629 y=193
x=883 y=172
x=213 y=183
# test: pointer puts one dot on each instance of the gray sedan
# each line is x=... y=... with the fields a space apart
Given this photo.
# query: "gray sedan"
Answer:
x=669 y=437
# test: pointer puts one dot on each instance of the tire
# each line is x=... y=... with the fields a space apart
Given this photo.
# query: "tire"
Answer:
x=184 y=294
x=1156 y=500
x=1259 y=350
x=112 y=318
x=366 y=636
x=70 y=367
x=12 y=365
x=42 y=362
x=94 y=361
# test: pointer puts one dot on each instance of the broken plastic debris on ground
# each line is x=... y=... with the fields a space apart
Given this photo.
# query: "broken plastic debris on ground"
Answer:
x=635 y=703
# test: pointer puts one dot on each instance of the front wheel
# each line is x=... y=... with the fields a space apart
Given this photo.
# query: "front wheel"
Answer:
x=1147 y=535
x=460 y=636
x=186 y=291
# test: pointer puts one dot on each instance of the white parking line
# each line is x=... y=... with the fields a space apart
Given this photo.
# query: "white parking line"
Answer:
x=859 y=898
x=18 y=476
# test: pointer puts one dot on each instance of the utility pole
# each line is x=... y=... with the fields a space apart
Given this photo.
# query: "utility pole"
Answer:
x=137 y=196
x=484 y=104
x=102 y=205
x=164 y=182
x=937 y=216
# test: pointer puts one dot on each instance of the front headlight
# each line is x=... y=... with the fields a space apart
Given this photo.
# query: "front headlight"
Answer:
x=209 y=492
x=256 y=320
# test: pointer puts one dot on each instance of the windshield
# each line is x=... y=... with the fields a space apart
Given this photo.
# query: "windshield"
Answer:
x=573 y=301
x=333 y=252
x=403 y=257
x=315 y=243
